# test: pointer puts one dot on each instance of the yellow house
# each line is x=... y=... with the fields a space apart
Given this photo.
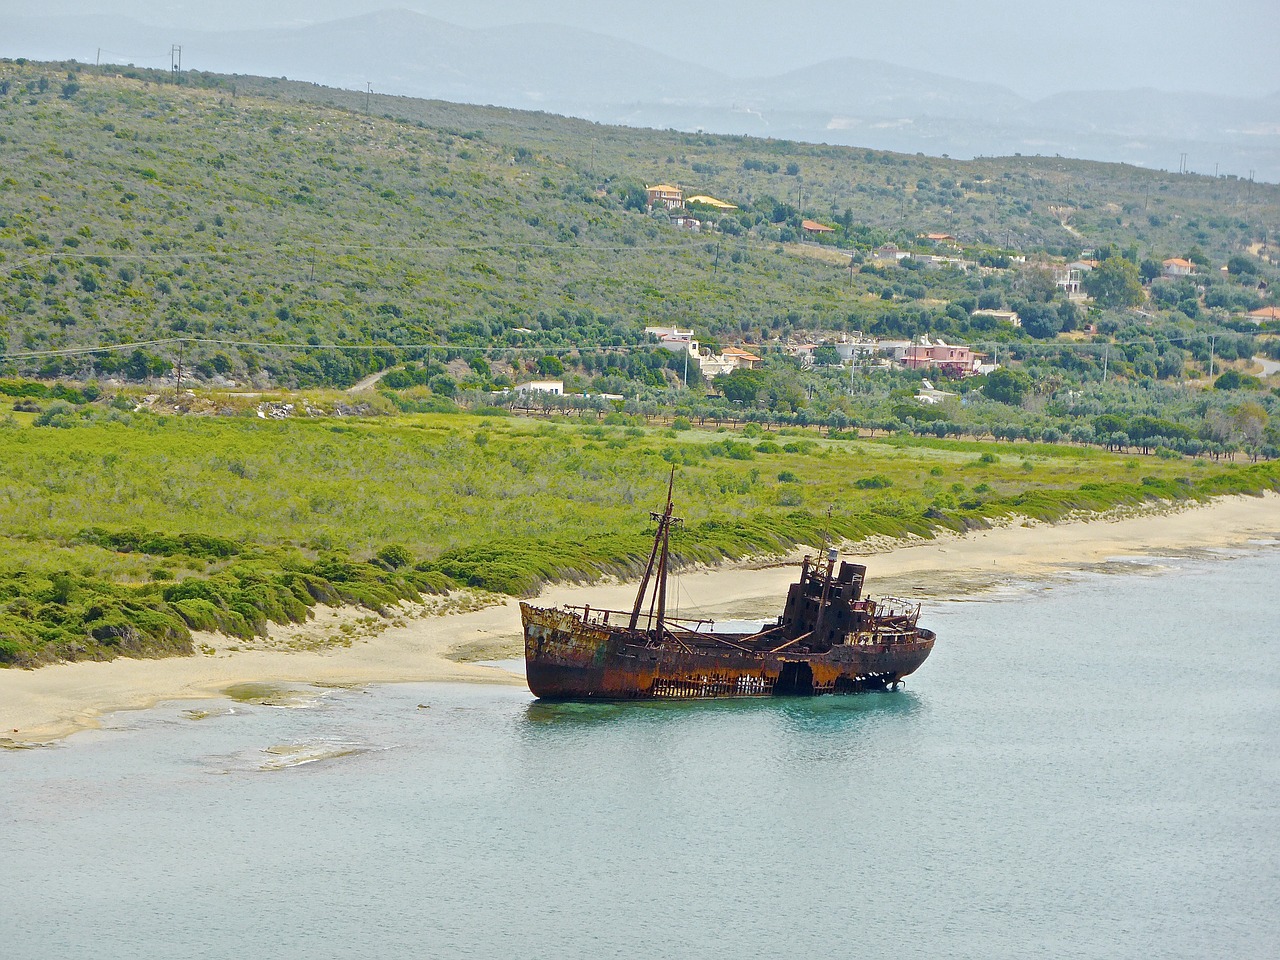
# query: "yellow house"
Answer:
x=665 y=194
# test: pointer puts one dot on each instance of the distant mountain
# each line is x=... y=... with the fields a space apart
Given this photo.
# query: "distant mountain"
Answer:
x=398 y=52
x=580 y=73
x=874 y=88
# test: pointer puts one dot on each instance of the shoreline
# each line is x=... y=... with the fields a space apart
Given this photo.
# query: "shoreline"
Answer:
x=52 y=702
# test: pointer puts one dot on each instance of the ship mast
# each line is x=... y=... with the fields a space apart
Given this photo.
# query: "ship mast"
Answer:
x=826 y=590
x=658 y=557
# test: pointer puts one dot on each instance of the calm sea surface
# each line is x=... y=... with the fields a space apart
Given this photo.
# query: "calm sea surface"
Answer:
x=1084 y=768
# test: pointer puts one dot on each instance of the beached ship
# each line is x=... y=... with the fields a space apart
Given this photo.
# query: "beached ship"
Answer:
x=829 y=639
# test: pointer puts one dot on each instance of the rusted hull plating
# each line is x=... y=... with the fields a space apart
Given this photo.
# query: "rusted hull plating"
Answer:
x=569 y=659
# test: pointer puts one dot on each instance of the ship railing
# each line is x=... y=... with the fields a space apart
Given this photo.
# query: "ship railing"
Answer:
x=678 y=629
x=877 y=638
x=895 y=607
x=600 y=616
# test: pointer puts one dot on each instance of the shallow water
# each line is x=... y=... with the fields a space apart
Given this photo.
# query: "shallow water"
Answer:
x=1085 y=767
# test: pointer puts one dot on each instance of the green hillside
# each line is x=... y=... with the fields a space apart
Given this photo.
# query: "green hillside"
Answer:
x=134 y=207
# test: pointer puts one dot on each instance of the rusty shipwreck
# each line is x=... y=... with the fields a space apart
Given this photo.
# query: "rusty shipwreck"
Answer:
x=829 y=639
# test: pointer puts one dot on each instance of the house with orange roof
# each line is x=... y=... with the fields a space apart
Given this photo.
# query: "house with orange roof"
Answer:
x=665 y=194
x=712 y=365
x=1265 y=314
x=813 y=226
x=742 y=360
x=1177 y=267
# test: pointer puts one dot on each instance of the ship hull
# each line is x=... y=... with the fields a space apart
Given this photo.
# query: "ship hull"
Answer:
x=569 y=659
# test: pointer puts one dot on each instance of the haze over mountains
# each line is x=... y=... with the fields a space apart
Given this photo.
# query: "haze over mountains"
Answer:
x=564 y=69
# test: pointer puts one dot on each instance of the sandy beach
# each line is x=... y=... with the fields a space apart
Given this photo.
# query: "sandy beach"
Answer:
x=52 y=702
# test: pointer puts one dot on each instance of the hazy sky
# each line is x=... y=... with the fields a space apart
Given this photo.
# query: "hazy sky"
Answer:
x=1033 y=48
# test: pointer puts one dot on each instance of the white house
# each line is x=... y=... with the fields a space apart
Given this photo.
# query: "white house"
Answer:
x=929 y=395
x=1070 y=279
x=542 y=386
x=858 y=349
x=676 y=340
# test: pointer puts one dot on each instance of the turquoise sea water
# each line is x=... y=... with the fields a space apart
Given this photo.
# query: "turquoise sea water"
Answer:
x=1084 y=768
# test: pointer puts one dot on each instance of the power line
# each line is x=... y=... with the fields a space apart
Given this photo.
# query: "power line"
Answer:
x=1075 y=345
x=81 y=351
x=685 y=247
x=293 y=345
x=130 y=60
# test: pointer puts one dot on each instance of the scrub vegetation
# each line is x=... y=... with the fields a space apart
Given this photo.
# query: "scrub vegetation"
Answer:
x=124 y=532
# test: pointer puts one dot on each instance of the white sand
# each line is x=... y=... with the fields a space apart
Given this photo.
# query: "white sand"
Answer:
x=53 y=701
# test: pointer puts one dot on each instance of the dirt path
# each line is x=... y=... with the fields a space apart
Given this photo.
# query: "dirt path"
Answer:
x=1268 y=366
x=368 y=383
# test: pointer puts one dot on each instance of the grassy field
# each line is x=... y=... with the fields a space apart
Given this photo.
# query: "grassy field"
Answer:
x=124 y=531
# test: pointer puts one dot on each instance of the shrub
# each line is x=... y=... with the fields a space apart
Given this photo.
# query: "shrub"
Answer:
x=58 y=414
x=394 y=556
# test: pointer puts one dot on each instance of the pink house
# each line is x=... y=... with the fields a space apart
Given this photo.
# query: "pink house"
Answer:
x=954 y=361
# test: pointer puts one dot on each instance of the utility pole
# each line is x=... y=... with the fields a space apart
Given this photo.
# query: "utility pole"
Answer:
x=1213 y=343
x=97 y=61
x=1106 y=355
x=175 y=59
x=367 y=94
x=182 y=345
